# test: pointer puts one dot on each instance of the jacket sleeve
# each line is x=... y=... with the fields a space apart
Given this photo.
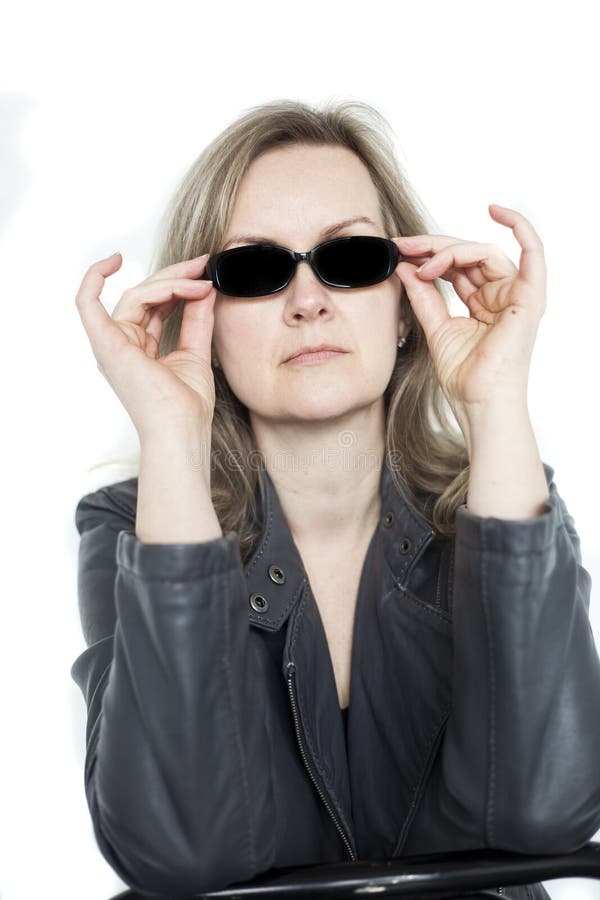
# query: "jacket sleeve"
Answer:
x=520 y=754
x=178 y=755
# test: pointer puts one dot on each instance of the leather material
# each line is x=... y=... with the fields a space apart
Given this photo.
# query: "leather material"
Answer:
x=215 y=746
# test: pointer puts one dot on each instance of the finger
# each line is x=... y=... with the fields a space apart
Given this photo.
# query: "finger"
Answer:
x=161 y=312
x=471 y=275
x=462 y=284
x=416 y=244
x=532 y=265
x=419 y=259
x=97 y=323
x=470 y=294
x=154 y=325
x=466 y=282
x=186 y=268
x=197 y=323
x=474 y=300
x=420 y=249
x=135 y=301
x=490 y=260
x=425 y=299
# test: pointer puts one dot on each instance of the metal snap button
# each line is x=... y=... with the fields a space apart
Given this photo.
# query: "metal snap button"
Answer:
x=276 y=574
x=259 y=603
x=405 y=545
x=389 y=518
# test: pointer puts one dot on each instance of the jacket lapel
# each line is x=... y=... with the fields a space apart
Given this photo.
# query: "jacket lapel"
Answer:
x=400 y=687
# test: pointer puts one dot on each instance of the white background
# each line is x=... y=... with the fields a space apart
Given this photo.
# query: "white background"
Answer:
x=103 y=107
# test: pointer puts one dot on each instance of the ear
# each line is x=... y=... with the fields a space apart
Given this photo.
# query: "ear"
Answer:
x=406 y=312
x=213 y=356
x=404 y=327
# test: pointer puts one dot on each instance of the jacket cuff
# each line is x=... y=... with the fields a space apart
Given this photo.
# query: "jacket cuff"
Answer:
x=518 y=537
x=178 y=562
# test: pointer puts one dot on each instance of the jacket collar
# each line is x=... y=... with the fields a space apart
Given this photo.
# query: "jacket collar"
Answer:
x=275 y=573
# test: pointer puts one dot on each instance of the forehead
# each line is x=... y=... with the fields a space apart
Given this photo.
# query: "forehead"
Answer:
x=294 y=190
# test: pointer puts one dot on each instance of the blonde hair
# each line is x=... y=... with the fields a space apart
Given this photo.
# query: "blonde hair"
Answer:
x=426 y=453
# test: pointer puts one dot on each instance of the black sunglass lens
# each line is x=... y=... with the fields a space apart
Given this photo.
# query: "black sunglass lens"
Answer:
x=253 y=271
x=354 y=262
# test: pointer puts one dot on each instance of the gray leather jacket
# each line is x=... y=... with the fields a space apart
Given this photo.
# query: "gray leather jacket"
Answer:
x=215 y=746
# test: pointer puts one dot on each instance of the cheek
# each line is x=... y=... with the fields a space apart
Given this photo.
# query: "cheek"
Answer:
x=380 y=318
x=233 y=328
x=246 y=345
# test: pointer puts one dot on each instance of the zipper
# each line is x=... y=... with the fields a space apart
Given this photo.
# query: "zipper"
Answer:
x=501 y=890
x=291 y=669
x=439 y=580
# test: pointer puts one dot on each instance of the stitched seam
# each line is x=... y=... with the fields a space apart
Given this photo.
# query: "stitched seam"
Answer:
x=418 y=790
x=117 y=529
x=260 y=552
x=269 y=620
x=408 y=508
x=491 y=550
x=503 y=553
x=315 y=762
x=266 y=537
x=240 y=752
x=405 y=568
x=422 y=605
x=451 y=579
x=492 y=695
x=176 y=579
x=199 y=575
x=306 y=736
x=438 y=583
x=299 y=610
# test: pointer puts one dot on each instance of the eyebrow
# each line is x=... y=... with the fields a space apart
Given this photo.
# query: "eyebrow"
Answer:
x=323 y=235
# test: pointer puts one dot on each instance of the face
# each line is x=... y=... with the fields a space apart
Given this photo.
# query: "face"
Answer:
x=290 y=196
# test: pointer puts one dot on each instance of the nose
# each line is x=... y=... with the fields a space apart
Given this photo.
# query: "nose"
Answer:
x=306 y=295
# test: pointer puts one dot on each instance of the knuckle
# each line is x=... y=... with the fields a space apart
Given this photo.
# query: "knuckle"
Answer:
x=92 y=269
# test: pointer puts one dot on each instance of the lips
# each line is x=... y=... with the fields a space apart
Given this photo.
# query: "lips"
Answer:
x=314 y=349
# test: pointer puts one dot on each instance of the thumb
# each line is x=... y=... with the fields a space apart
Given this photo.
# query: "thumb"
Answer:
x=425 y=299
x=197 y=325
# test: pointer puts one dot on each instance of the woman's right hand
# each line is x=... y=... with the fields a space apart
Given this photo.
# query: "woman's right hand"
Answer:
x=178 y=387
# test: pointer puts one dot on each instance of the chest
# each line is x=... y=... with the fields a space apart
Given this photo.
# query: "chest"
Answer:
x=335 y=585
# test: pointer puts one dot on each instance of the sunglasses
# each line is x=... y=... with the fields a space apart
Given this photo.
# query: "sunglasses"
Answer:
x=259 y=269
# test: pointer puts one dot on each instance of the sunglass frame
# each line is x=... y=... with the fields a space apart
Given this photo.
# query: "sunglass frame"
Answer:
x=213 y=272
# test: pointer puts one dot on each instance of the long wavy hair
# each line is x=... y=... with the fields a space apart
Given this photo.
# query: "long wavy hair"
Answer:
x=425 y=449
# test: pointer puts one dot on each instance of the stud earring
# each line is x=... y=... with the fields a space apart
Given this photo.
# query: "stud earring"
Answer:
x=401 y=342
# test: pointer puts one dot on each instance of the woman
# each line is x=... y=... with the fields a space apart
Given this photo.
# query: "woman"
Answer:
x=311 y=535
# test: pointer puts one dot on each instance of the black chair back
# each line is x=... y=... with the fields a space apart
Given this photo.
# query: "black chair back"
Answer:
x=437 y=876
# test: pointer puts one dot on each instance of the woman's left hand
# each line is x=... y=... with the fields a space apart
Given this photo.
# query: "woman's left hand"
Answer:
x=483 y=358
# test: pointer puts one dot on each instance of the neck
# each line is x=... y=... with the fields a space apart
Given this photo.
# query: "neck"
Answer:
x=327 y=475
